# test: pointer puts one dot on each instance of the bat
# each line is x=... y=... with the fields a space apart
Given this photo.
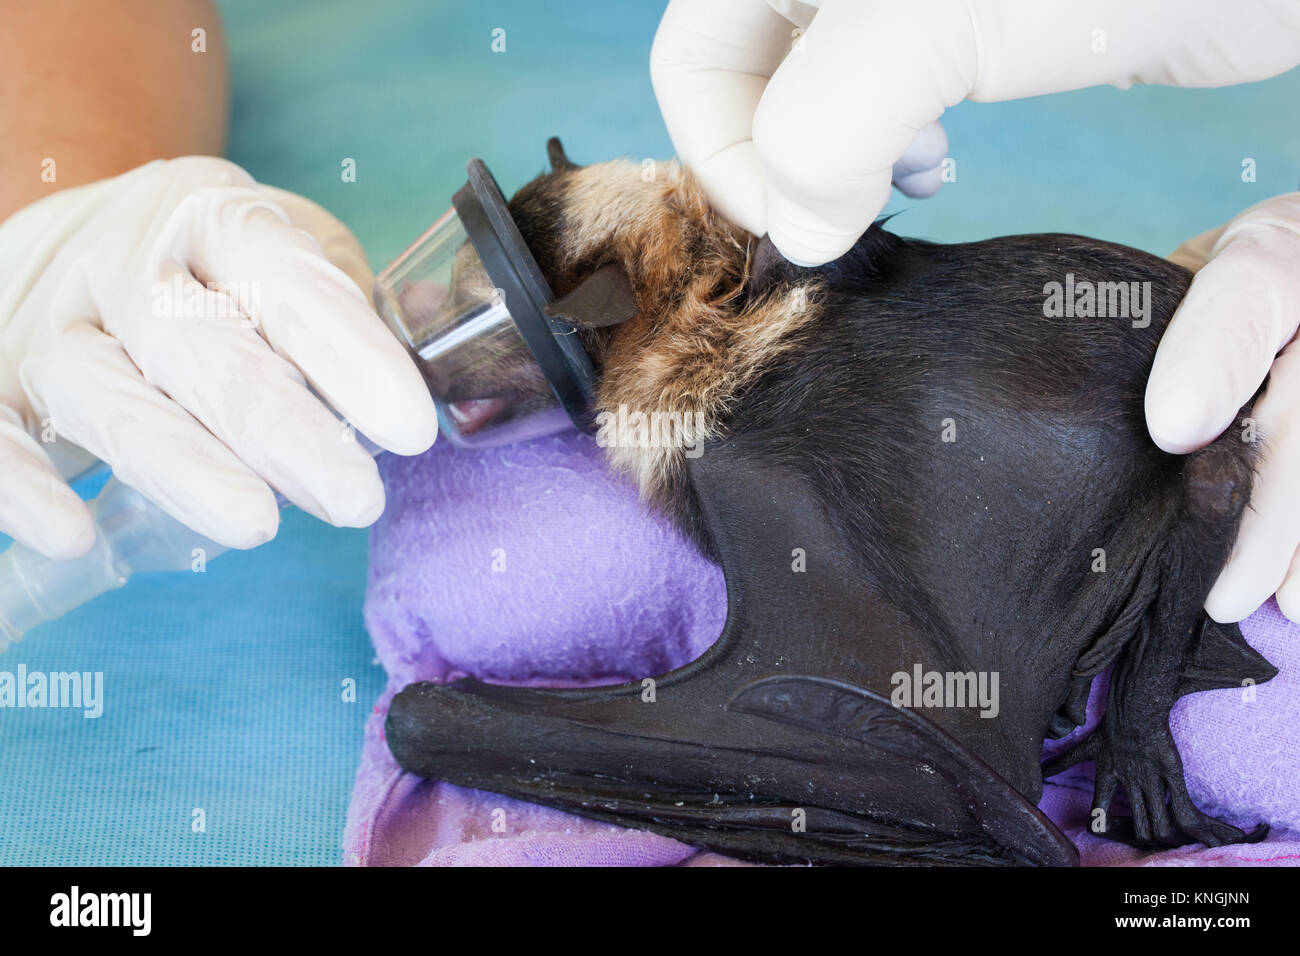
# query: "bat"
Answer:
x=925 y=472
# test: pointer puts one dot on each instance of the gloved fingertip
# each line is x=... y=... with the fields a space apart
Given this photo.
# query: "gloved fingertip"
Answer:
x=811 y=231
x=1288 y=599
x=804 y=248
x=1182 y=417
x=734 y=184
x=252 y=538
x=1227 y=609
x=931 y=143
x=922 y=184
x=46 y=515
x=1290 y=606
x=415 y=431
x=1236 y=594
x=926 y=152
x=366 y=511
x=258 y=524
x=69 y=532
x=354 y=495
x=744 y=213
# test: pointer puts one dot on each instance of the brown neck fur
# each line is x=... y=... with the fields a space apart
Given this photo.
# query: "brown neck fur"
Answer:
x=698 y=338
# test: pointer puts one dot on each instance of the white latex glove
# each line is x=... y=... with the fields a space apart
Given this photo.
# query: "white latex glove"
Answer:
x=800 y=136
x=1237 y=325
x=202 y=413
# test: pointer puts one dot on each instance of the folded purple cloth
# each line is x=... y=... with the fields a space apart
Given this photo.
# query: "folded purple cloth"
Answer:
x=533 y=565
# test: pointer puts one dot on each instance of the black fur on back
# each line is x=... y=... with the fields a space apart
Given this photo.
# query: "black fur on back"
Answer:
x=1049 y=472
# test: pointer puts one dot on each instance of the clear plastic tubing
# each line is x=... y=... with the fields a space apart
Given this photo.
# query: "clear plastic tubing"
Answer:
x=132 y=534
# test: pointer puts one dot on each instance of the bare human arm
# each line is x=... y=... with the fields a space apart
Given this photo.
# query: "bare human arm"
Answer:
x=102 y=86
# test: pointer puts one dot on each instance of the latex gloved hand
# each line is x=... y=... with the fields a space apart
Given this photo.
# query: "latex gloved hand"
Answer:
x=796 y=121
x=114 y=335
x=1237 y=325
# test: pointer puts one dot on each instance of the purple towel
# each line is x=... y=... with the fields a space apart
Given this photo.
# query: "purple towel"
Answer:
x=532 y=565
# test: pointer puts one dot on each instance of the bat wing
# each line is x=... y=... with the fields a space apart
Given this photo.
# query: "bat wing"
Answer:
x=781 y=742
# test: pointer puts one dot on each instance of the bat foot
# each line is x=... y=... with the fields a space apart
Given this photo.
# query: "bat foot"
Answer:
x=1146 y=765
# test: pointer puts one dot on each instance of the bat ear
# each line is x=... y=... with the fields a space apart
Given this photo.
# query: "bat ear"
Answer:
x=555 y=153
x=603 y=299
x=767 y=268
